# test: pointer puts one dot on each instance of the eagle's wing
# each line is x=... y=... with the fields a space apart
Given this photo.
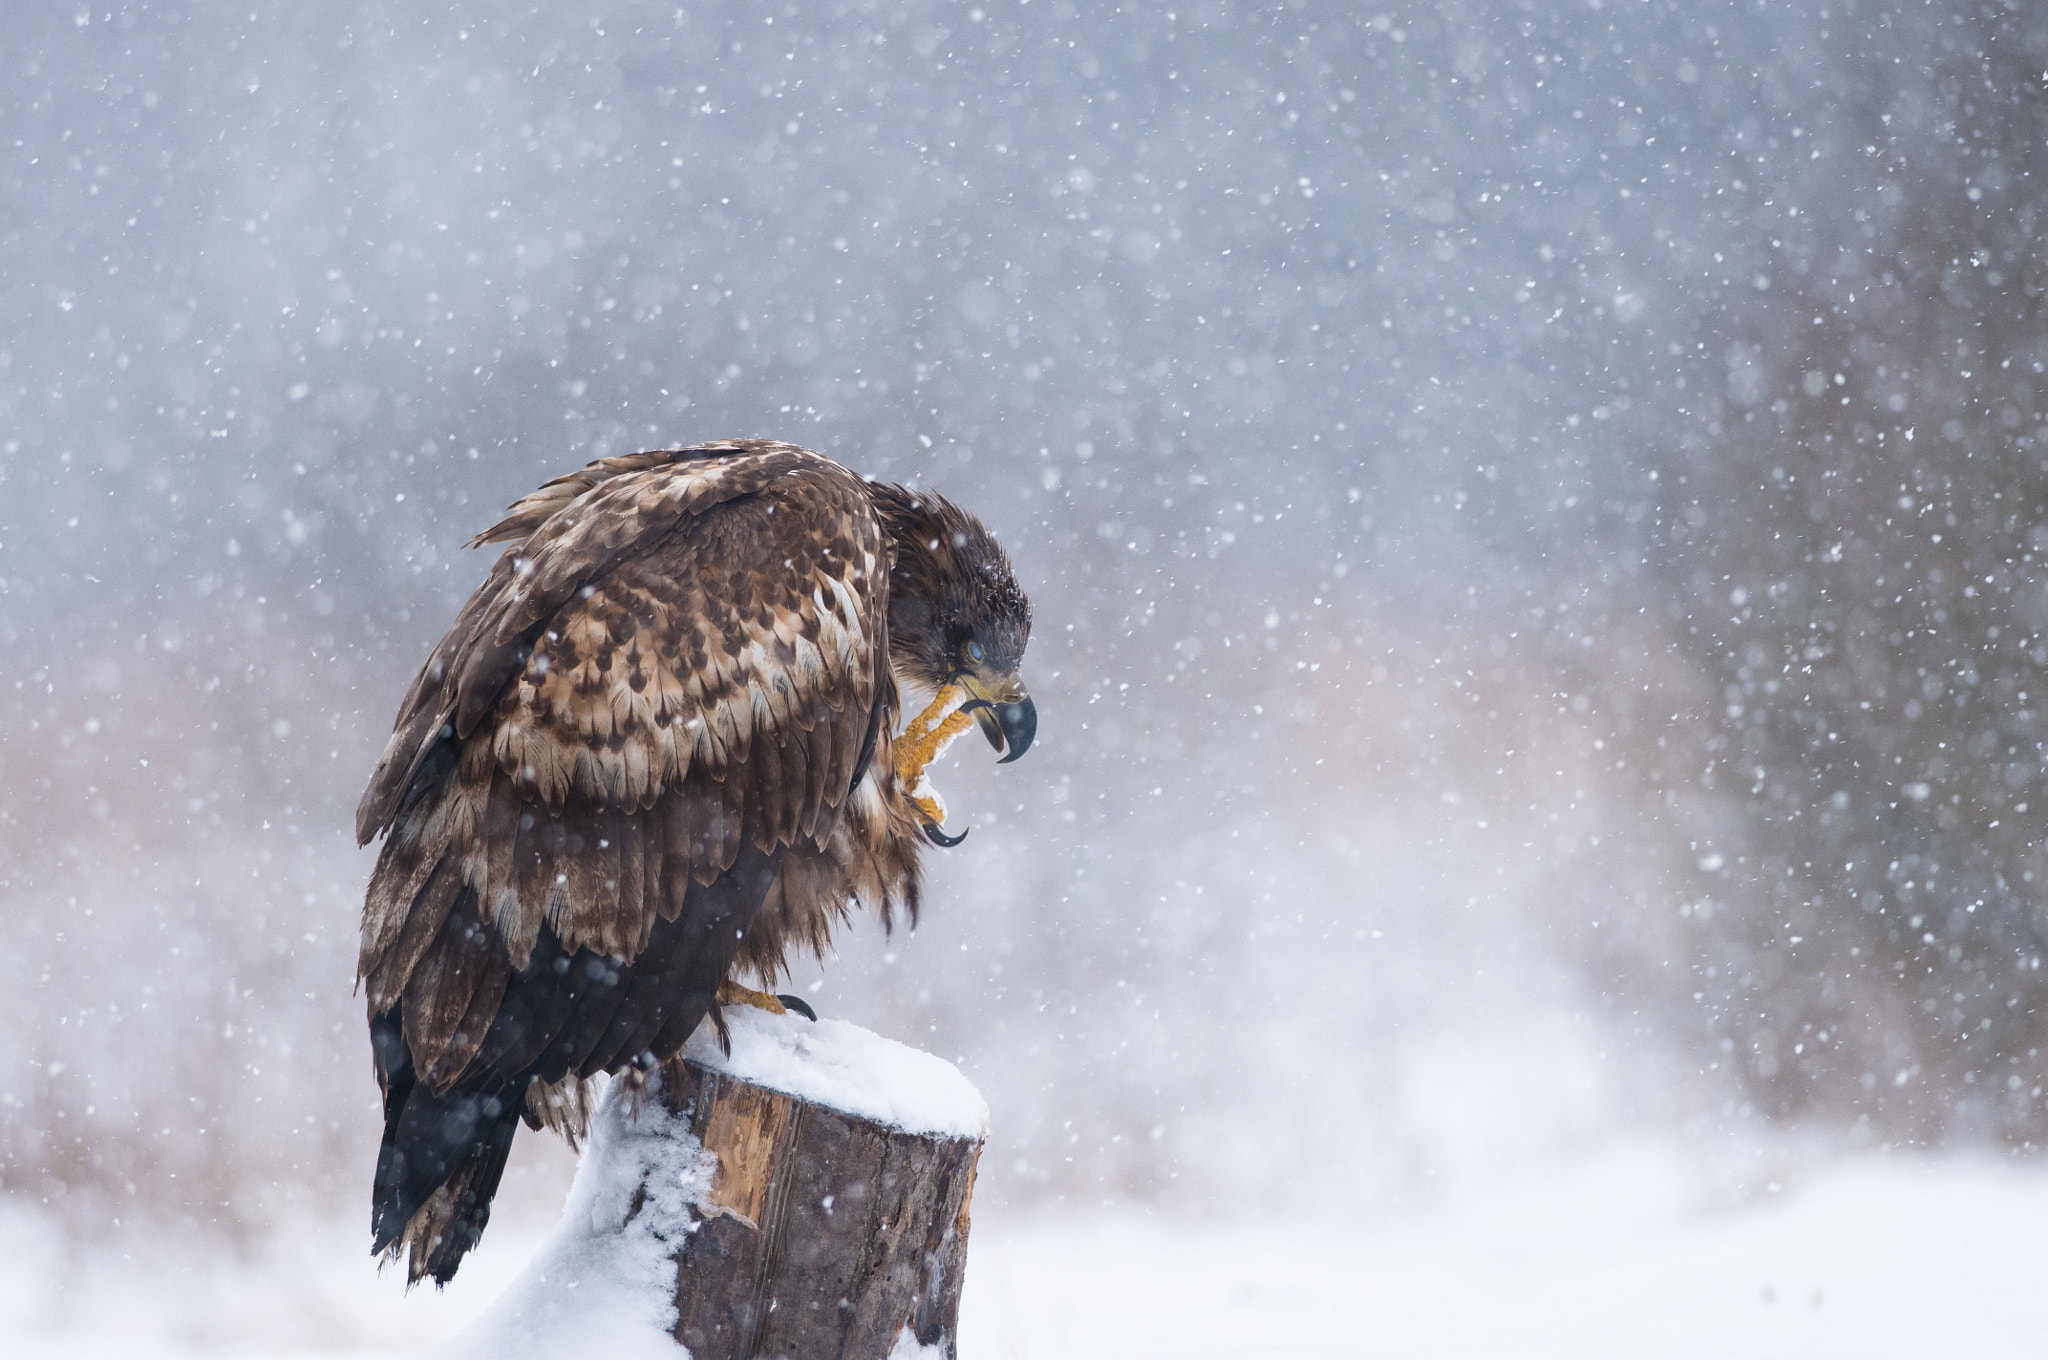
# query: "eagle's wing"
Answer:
x=675 y=672
x=565 y=536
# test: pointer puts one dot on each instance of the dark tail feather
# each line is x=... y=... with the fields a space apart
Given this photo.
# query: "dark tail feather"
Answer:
x=440 y=1164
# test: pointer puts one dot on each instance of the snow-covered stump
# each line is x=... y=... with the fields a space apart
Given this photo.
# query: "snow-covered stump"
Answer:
x=805 y=1197
x=830 y=1234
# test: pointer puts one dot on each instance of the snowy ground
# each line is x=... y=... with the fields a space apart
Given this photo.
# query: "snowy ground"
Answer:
x=1864 y=1258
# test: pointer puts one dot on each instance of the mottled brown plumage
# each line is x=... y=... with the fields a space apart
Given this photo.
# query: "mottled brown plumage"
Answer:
x=642 y=761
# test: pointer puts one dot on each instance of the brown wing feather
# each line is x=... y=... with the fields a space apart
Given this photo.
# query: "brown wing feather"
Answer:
x=438 y=994
x=419 y=922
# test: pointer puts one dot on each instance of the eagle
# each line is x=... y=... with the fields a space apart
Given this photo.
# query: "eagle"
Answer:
x=657 y=752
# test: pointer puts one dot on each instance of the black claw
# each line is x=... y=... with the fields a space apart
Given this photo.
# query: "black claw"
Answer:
x=940 y=838
x=799 y=1005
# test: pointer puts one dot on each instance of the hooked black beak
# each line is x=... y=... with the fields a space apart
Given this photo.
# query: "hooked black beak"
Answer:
x=1010 y=725
x=1019 y=722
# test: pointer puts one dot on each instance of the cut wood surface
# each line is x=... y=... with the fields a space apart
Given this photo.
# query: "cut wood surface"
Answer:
x=824 y=1234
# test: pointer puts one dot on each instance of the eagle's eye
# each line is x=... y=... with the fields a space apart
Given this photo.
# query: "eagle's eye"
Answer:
x=974 y=651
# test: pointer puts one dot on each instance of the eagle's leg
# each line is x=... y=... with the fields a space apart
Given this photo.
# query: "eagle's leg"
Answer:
x=928 y=734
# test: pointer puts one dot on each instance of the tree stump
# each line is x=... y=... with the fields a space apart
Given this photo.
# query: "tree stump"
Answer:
x=800 y=1198
x=825 y=1234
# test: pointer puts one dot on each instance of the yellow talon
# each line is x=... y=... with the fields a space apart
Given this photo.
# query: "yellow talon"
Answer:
x=730 y=993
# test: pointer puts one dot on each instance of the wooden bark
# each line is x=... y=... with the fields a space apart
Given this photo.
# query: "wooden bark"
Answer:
x=826 y=1235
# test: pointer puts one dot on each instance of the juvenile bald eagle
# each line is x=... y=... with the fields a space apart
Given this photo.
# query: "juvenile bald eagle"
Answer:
x=657 y=750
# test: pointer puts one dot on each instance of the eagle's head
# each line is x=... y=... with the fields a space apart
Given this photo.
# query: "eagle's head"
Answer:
x=956 y=615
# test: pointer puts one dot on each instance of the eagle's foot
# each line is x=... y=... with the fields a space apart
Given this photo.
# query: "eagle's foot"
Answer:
x=922 y=742
x=928 y=734
x=732 y=994
x=780 y=1003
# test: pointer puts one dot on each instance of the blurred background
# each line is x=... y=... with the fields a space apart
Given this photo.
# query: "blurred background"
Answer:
x=1535 y=517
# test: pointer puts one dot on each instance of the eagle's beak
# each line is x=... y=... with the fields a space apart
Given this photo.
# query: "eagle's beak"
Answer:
x=1006 y=715
x=1017 y=723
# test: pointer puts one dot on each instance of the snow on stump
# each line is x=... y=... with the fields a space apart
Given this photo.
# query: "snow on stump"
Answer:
x=805 y=1197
